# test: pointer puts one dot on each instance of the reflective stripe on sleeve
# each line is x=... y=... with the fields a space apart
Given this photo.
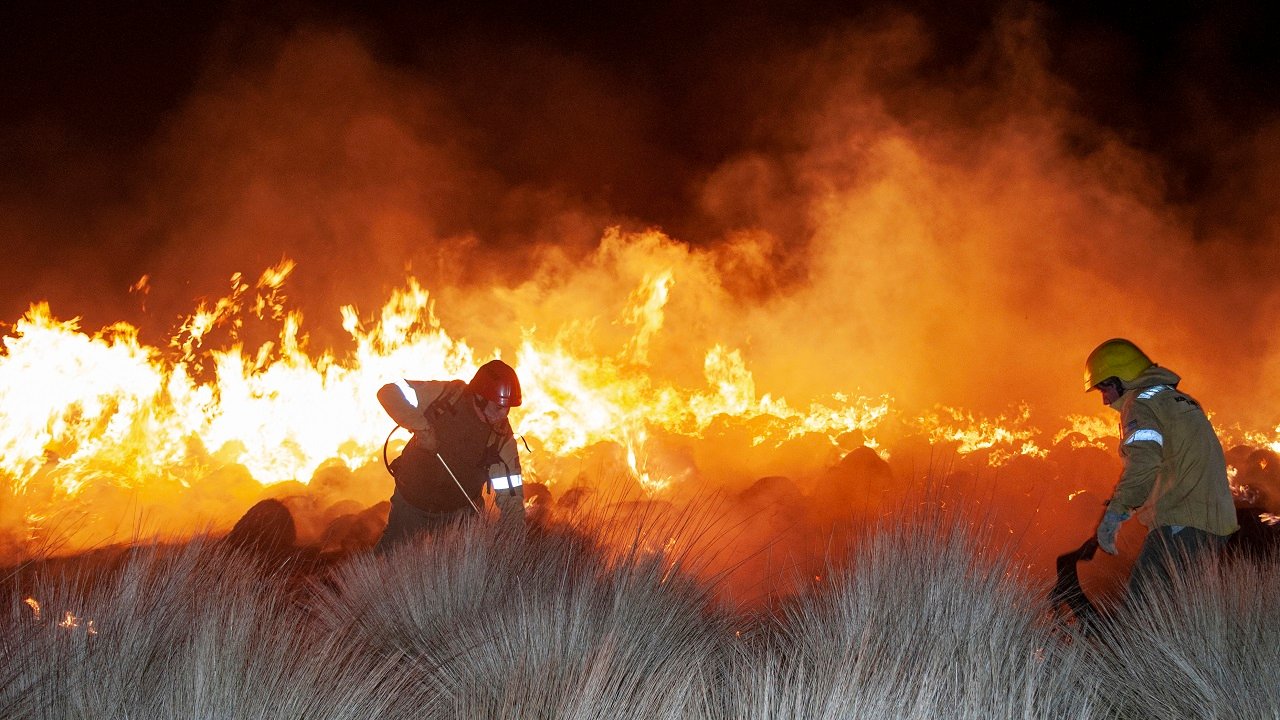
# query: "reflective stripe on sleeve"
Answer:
x=408 y=392
x=506 y=482
x=1146 y=434
x=1152 y=391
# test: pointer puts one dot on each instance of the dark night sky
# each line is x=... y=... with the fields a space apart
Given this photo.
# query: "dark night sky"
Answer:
x=89 y=91
x=100 y=77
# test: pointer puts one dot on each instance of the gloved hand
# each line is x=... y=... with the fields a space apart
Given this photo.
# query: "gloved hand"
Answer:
x=1108 y=528
x=425 y=439
x=511 y=505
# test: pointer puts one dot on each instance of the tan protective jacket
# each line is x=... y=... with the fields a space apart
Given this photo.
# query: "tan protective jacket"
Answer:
x=467 y=442
x=1174 y=469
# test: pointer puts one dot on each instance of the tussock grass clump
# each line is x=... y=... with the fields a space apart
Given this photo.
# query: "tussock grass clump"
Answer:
x=499 y=622
x=196 y=631
x=1207 y=645
x=19 y=674
x=614 y=615
x=917 y=622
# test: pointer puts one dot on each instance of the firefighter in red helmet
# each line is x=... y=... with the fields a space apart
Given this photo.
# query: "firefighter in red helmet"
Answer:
x=1175 y=474
x=462 y=443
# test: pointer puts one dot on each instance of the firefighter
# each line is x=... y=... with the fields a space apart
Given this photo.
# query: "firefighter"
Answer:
x=1175 y=474
x=462 y=442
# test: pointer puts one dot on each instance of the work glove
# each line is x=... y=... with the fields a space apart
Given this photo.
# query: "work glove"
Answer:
x=1108 y=528
x=511 y=505
x=425 y=439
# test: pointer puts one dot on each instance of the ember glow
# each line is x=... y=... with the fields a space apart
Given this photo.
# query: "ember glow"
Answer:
x=69 y=620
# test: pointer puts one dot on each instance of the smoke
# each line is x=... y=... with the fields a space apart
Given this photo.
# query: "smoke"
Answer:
x=962 y=239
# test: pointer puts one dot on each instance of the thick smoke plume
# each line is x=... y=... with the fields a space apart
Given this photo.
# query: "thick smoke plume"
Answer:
x=962 y=239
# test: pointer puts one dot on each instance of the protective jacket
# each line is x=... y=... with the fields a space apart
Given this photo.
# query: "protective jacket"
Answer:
x=451 y=441
x=1174 y=469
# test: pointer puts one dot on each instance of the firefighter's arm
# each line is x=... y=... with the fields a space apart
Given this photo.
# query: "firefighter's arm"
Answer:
x=406 y=402
x=508 y=483
x=511 y=506
x=1142 y=449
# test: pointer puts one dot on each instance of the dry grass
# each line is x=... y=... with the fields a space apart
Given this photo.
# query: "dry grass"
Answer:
x=1207 y=646
x=501 y=623
x=193 y=632
x=918 y=619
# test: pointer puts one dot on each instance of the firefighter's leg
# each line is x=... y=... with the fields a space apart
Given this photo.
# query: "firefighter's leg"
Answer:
x=1168 y=550
x=405 y=521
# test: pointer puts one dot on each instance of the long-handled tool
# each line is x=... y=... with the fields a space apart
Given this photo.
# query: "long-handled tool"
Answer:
x=455 y=482
x=449 y=470
x=1067 y=590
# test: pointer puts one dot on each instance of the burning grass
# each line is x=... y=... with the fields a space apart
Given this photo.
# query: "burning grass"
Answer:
x=920 y=618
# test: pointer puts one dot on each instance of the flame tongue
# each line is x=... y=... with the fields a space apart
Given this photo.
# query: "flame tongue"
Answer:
x=106 y=438
x=93 y=419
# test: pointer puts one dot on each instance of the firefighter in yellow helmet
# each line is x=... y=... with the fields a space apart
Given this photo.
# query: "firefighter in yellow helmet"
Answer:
x=1175 y=474
x=462 y=443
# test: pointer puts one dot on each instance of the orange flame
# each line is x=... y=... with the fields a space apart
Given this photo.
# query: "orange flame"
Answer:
x=92 y=417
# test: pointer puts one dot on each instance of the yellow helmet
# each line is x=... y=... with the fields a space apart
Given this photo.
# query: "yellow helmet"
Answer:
x=1118 y=358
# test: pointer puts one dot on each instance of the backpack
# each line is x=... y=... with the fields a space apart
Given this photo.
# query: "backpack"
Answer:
x=446 y=402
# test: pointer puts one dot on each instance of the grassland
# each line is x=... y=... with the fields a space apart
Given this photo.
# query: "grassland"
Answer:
x=918 y=618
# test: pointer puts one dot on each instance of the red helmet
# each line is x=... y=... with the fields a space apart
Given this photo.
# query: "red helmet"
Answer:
x=496 y=382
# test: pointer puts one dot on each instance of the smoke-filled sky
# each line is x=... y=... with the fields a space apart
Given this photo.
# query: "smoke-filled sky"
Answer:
x=948 y=204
